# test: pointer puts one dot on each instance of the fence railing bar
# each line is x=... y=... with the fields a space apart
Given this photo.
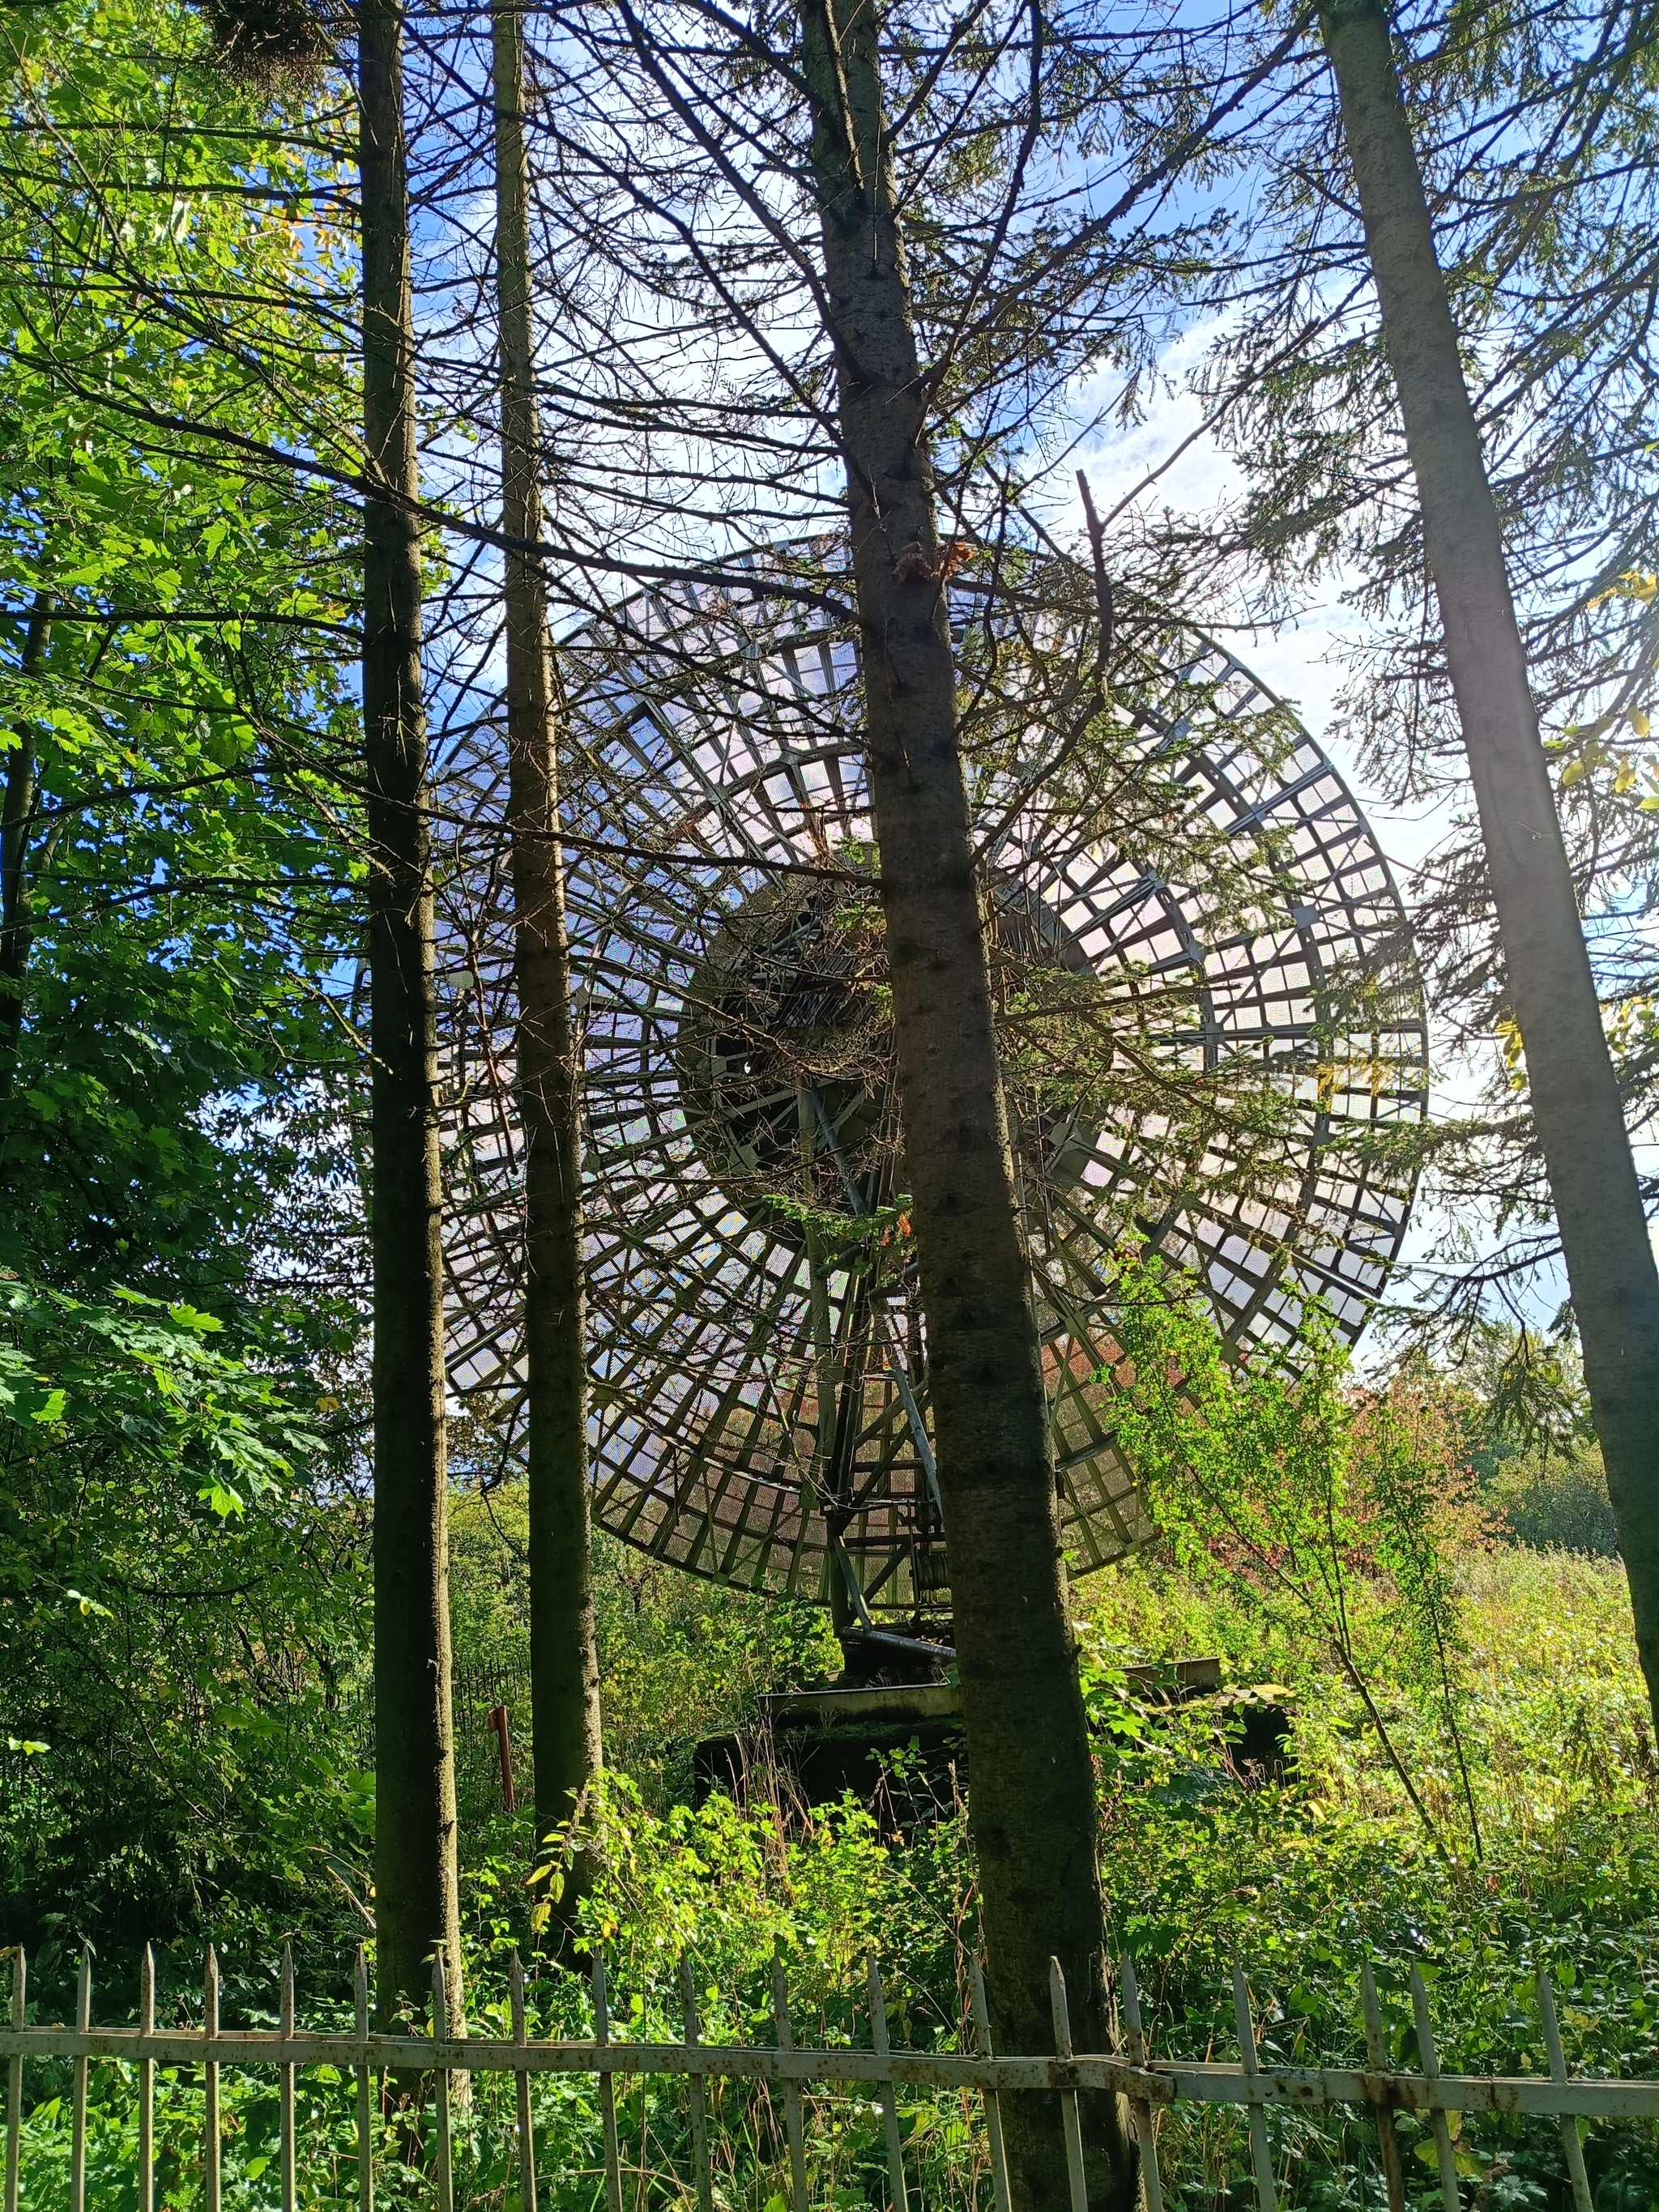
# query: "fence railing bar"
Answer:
x=1135 y=2041
x=1376 y=2057
x=147 y=2084
x=1569 y=2143
x=210 y=2176
x=607 y=2090
x=365 y=2073
x=792 y=2122
x=440 y=2083
x=992 y=2101
x=285 y=2081
x=1261 y=2164
x=701 y=2173
x=1429 y=2056
x=881 y=2045
x=15 y=2079
x=1071 y=2118
x=78 y=2140
x=521 y=2084
x=1163 y=2081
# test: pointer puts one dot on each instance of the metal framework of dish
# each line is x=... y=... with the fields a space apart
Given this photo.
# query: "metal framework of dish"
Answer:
x=758 y=1357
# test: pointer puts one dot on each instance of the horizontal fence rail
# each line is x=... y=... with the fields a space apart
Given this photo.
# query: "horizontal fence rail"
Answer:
x=1148 y=2086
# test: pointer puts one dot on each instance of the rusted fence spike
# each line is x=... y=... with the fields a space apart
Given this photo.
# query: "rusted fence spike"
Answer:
x=697 y=2086
x=20 y=1974
x=78 y=2136
x=607 y=2091
x=884 y=2090
x=1569 y=2143
x=992 y=2102
x=521 y=2084
x=440 y=2083
x=1429 y=2058
x=147 y=2083
x=285 y=2084
x=1261 y=2164
x=1071 y=2118
x=1134 y=2037
x=1376 y=2063
x=792 y=2121
x=365 y=2089
x=210 y=2144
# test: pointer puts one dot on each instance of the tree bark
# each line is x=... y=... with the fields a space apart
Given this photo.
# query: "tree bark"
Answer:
x=1032 y=1798
x=415 y=1842
x=17 y=820
x=1574 y=1087
x=564 y=1675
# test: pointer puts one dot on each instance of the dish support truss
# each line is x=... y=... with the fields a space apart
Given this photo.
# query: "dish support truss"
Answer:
x=719 y=1325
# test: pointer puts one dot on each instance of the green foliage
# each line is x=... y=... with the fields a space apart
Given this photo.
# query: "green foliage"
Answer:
x=182 y=901
x=177 y=1615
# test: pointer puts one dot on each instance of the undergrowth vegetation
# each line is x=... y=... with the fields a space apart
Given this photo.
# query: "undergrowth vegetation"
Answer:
x=1469 y=1784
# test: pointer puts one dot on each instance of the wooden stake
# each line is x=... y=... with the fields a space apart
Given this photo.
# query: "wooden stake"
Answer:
x=698 y=2086
x=146 y=2085
x=1569 y=2143
x=1430 y=2058
x=210 y=2081
x=1151 y=2182
x=521 y=2082
x=1070 y=2118
x=607 y=2092
x=992 y=2102
x=1267 y=2196
x=365 y=2090
x=791 y=2089
x=15 y=2080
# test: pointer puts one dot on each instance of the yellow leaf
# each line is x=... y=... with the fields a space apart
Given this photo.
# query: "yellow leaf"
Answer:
x=1640 y=723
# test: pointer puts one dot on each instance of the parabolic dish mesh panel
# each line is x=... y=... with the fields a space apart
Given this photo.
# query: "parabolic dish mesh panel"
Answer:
x=749 y=1258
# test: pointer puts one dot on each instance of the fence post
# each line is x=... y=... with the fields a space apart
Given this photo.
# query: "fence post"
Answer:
x=1151 y=2181
x=704 y=2179
x=791 y=2089
x=1267 y=2196
x=15 y=2080
x=440 y=2083
x=210 y=2079
x=884 y=2089
x=526 y=2131
x=365 y=2084
x=78 y=2140
x=992 y=2101
x=1431 y=2061
x=147 y=2084
x=1376 y=2057
x=1569 y=2143
x=285 y=2081
x=607 y=2091
x=1071 y=2120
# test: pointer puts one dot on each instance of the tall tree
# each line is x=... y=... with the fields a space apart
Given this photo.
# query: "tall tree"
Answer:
x=564 y=1681
x=416 y=1843
x=1574 y=1089
x=1032 y=1800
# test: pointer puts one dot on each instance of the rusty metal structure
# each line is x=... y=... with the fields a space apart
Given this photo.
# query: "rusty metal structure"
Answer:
x=1213 y=1032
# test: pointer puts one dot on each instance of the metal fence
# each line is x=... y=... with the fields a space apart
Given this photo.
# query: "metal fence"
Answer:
x=1147 y=2087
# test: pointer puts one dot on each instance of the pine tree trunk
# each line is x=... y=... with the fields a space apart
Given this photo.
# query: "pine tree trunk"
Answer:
x=17 y=820
x=1032 y=1799
x=414 y=1844
x=564 y=1681
x=1574 y=1089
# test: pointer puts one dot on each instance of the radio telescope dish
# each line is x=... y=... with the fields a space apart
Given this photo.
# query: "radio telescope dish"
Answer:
x=1211 y=1023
